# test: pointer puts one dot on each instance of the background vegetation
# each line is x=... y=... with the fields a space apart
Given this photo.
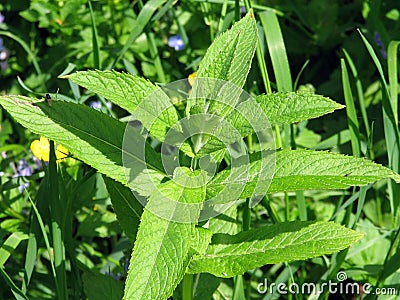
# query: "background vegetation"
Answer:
x=164 y=41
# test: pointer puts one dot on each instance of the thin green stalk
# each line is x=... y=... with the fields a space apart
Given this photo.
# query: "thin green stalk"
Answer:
x=271 y=211
x=15 y=289
x=379 y=208
x=26 y=48
x=144 y=17
x=390 y=123
x=278 y=139
x=301 y=205
x=287 y=207
x=223 y=15
x=181 y=29
x=238 y=290
x=208 y=19
x=280 y=64
x=354 y=128
x=151 y=42
x=301 y=200
x=360 y=95
x=46 y=240
x=260 y=56
x=187 y=287
x=351 y=111
x=95 y=40
x=57 y=227
x=156 y=57
x=247 y=210
x=393 y=246
x=237 y=10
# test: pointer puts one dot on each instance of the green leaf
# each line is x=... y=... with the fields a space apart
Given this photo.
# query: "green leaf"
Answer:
x=308 y=170
x=123 y=89
x=9 y=246
x=99 y=286
x=291 y=107
x=201 y=239
x=316 y=170
x=225 y=222
x=279 y=108
x=227 y=59
x=230 y=55
x=88 y=134
x=127 y=208
x=162 y=249
x=147 y=102
x=228 y=255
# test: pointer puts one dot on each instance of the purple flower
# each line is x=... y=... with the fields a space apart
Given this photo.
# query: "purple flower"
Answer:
x=126 y=267
x=115 y=276
x=4 y=65
x=22 y=187
x=95 y=104
x=243 y=9
x=1 y=18
x=380 y=44
x=98 y=105
x=23 y=169
x=176 y=42
x=37 y=163
x=1 y=44
x=4 y=154
x=3 y=54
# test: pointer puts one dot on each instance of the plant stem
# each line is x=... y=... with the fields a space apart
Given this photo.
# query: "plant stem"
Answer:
x=187 y=287
x=57 y=227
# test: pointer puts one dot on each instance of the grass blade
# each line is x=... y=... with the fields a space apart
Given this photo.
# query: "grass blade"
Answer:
x=95 y=40
x=392 y=135
x=26 y=48
x=16 y=290
x=142 y=20
x=277 y=50
x=9 y=245
x=351 y=111
x=360 y=95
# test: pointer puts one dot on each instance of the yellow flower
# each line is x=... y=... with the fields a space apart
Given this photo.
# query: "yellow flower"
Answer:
x=191 y=78
x=41 y=149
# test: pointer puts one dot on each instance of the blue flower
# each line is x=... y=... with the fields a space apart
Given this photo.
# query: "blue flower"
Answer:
x=2 y=18
x=98 y=105
x=4 y=65
x=95 y=104
x=114 y=276
x=1 y=44
x=380 y=44
x=176 y=42
x=37 y=163
x=23 y=169
x=126 y=267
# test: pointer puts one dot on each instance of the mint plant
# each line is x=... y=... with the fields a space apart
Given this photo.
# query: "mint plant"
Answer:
x=166 y=249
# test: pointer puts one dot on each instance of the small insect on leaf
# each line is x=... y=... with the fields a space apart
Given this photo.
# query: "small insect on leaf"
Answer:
x=48 y=99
